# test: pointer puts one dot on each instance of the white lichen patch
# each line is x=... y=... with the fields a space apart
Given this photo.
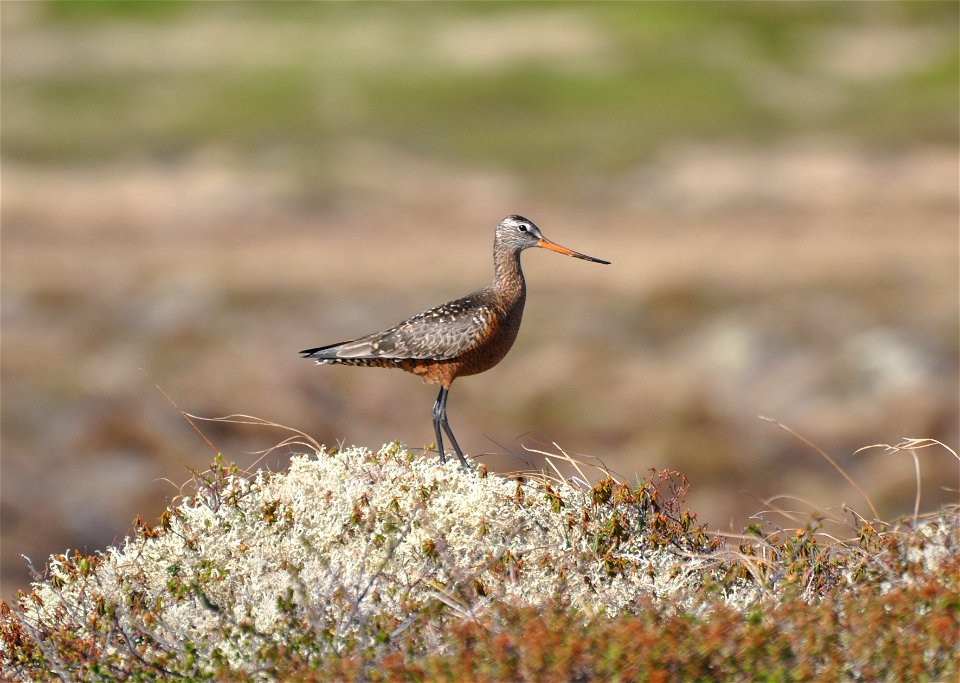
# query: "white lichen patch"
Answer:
x=375 y=555
x=340 y=539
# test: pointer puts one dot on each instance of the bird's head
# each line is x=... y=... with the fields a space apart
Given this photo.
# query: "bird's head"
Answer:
x=516 y=233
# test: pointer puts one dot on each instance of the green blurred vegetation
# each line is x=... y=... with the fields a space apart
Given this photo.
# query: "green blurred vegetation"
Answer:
x=775 y=182
x=650 y=73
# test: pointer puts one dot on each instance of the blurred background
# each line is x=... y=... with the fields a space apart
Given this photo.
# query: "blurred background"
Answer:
x=193 y=192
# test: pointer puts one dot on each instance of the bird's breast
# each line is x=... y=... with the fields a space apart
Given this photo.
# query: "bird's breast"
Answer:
x=494 y=344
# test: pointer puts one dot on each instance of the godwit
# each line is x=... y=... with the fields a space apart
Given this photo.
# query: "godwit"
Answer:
x=461 y=337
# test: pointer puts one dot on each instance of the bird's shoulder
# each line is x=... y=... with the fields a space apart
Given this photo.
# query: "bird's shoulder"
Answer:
x=441 y=332
x=479 y=304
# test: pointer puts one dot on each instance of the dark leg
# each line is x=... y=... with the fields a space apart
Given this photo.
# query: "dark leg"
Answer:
x=437 y=413
x=442 y=402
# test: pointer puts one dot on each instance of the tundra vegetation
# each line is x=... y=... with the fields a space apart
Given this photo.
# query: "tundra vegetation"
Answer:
x=196 y=191
x=387 y=565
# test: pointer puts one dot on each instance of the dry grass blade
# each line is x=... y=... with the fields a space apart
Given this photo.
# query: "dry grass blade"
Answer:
x=826 y=456
x=796 y=516
x=824 y=514
x=911 y=446
x=555 y=469
x=565 y=457
x=574 y=462
x=300 y=438
x=909 y=443
x=240 y=418
x=185 y=415
x=916 y=472
x=289 y=441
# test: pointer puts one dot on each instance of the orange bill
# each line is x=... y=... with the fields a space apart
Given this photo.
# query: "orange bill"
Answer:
x=553 y=246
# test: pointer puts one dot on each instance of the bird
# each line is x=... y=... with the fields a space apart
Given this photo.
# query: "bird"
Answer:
x=462 y=337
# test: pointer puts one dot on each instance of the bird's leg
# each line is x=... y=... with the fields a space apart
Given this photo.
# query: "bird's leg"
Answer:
x=456 y=446
x=437 y=417
x=442 y=400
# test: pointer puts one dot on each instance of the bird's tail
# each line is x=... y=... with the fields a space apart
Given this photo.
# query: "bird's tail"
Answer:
x=345 y=351
x=323 y=353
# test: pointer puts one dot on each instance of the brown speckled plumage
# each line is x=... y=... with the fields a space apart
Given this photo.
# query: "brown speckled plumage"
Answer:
x=465 y=336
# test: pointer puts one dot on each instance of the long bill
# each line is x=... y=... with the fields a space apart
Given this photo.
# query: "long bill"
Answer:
x=553 y=246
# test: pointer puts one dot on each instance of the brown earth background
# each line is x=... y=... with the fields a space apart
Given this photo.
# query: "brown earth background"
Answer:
x=193 y=192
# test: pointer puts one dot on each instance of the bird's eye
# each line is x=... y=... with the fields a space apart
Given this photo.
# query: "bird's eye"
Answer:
x=523 y=228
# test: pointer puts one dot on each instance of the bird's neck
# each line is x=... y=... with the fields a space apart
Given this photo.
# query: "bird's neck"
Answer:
x=508 y=278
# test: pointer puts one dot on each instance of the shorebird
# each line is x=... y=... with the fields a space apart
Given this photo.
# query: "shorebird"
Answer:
x=465 y=336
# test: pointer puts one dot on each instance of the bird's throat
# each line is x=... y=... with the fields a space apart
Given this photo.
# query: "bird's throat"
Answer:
x=508 y=277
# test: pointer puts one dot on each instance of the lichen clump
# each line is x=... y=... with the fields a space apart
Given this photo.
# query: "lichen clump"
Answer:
x=340 y=540
x=359 y=565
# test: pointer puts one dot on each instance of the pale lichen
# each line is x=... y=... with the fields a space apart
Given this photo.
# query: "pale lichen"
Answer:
x=342 y=538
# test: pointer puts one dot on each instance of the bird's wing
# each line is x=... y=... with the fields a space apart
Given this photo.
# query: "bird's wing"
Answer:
x=441 y=333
